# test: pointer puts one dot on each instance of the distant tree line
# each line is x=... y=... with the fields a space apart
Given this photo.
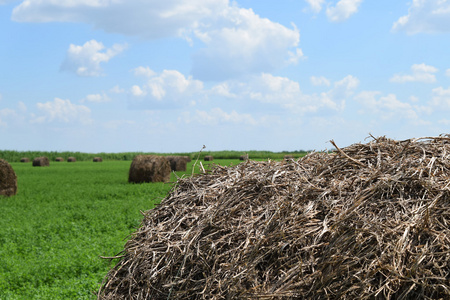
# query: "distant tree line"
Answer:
x=15 y=156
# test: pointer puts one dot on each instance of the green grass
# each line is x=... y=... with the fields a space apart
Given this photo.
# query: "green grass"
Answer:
x=63 y=218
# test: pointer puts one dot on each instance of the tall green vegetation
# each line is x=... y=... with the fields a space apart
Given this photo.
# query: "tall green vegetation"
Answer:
x=15 y=156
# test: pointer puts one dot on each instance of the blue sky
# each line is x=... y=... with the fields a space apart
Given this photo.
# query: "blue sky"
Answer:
x=172 y=76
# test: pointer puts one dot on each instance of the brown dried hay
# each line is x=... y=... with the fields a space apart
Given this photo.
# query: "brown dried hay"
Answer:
x=208 y=158
x=41 y=161
x=188 y=158
x=97 y=159
x=149 y=168
x=71 y=159
x=243 y=157
x=370 y=221
x=288 y=157
x=24 y=159
x=8 y=179
x=59 y=159
x=177 y=163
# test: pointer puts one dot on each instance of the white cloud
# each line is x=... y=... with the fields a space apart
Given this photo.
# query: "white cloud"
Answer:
x=6 y=115
x=343 y=10
x=341 y=91
x=168 y=87
x=236 y=40
x=97 y=98
x=137 y=91
x=420 y=73
x=388 y=107
x=317 y=81
x=217 y=116
x=441 y=98
x=244 y=43
x=85 y=60
x=284 y=93
x=144 y=71
x=427 y=16
x=143 y=18
x=117 y=90
x=316 y=5
x=447 y=72
x=64 y=111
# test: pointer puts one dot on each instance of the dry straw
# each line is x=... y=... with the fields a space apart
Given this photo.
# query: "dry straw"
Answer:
x=177 y=163
x=208 y=158
x=24 y=159
x=97 y=159
x=243 y=157
x=369 y=221
x=41 y=161
x=149 y=168
x=59 y=159
x=71 y=159
x=8 y=179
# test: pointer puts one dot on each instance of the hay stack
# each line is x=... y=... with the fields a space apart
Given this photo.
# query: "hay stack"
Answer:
x=208 y=158
x=24 y=159
x=243 y=157
x=288 y=157
x=188 y=158
x=177 y=163
x=71 y=159
x=8 y=179
x=59 y=159
x=370 y=221
x=41 y=161
x=97 y=159
x=149 y=168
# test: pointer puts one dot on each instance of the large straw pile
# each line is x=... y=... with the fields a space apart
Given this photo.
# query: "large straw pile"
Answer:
x=8 y=179
x=370 y=221
x=149 y=168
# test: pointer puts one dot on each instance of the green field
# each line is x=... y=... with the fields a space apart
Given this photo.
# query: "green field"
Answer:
x=63 y=218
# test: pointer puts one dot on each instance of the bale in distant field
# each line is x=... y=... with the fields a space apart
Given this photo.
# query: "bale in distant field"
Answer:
x=41 y=161
x=188 y=158
x=149 y=168
x=97 y=159
x=369 y=221
x=208 y=158
x=177 y=163
x=59 y=159
x=243 y=157
x=8 y=179
x=24 y=159
x=71 y=159
x=288 y=157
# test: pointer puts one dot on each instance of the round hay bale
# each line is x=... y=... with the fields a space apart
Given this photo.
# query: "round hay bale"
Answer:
x=208 y=158
x=188 y=158
x=71 y=159
x=149 y=168
x=288 y=157
x=59 y=159
x=8 y=179
x=41 y=161
x=177 y=163
x=243 y=157
x=24 y=159
x=97 y=159
x=370 y=221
